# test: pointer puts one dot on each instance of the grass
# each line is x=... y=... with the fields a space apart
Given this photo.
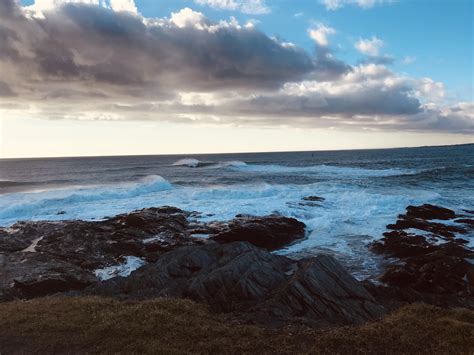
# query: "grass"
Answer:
x=80 y=325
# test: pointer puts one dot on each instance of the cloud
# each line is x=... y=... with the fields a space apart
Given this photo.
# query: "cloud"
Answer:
x=102 y=62
x=370 y=47
x=116 y=5
x=254 y=7
x=123 y=5
x=408 y=60
x=320 y=34
x=5 y=90
x=365 y=4
x=94 y=45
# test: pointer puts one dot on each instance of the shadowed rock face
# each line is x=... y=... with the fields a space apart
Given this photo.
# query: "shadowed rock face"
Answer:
x=28 y=275
x=269 y=232
x=239 y=277
x=40 y=258
x=433 y=259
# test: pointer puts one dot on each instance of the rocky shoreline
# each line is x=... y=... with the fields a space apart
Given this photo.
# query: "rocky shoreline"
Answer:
x=229 y=266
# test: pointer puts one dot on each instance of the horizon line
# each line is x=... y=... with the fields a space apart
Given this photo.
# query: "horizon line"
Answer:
x=230 y=153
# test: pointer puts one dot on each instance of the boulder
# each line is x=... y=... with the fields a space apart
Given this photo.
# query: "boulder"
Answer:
x=28 y=275
x=269 y=232
x=430 y=259
x=428 y=212
x=252 y=282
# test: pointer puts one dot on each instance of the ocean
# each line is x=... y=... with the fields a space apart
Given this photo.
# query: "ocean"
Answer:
x=364 y=190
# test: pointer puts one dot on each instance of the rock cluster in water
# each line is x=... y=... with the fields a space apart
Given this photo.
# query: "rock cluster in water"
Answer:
x=232 y=270
x=432 y=261
x=161 y=252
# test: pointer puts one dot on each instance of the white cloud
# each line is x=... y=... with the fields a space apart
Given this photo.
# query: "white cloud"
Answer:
x=430 y=89
x=123 y=5
x=408 y=60
x=117 y=5
x=370 y=47
x=320 y=34
x=187 y=18
x=255 y=7
x=44 y=5
x=365 y=4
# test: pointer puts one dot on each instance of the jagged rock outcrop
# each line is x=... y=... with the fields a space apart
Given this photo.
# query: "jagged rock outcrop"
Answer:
x=239 y=277
x=66 y=255
x=434 y=261
x=28 y=275
x=269 y=232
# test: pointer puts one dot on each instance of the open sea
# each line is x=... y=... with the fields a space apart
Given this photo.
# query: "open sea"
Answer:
x=364 y=190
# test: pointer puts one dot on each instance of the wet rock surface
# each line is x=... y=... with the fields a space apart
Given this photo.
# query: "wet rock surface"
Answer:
x=433 y=263
x=44 y=257
x=28 y=275
x=232 y=271
x=269 y=232
x=260 y=286
x=47 y=250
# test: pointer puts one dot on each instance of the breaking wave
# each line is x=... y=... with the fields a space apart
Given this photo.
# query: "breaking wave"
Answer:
x=326 y=170
x=33 y=202
x=196 y=163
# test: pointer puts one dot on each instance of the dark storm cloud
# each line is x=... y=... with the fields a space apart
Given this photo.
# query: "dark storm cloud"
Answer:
x=82 y=42
x=366 y=102
x=5 y=90
x=89 y=62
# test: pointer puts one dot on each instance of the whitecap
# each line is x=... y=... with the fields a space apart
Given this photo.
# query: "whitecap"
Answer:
x=131 y=264
x=324 y=170
x=189 y=162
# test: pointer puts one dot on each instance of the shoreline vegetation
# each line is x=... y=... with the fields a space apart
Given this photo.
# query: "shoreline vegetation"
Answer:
x=92 y=324
x=159 y=280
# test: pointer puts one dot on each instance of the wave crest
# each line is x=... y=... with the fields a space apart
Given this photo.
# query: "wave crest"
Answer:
x=51 y=200
x=191 y=163
x=196 y=163
x=324 y=170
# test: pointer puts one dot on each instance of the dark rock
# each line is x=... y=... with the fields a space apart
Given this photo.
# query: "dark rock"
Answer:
x=405 y=222
x=313 y=198
x=28 y=275
x=91 y=245
x=432 y=263
x=465 y=221
x=40 y=258
x=269 y=232
x=239 y=277
x=428 y=212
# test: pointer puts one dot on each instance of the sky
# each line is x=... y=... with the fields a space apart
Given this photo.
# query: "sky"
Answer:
x=129 y=77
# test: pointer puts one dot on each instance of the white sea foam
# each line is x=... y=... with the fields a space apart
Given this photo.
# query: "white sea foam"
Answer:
x=194 y=163
x=326 y=170
x=131 y=264
x=349 y=218
x=232 y=163
x=32 y=247
x=30 y=205
x=189 y=162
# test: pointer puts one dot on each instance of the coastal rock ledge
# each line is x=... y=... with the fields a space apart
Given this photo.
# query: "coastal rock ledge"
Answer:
x=241 y=278
x=161 y=252
x=430 y=259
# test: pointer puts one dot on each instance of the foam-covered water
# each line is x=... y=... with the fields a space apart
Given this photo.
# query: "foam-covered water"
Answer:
x=363 y=190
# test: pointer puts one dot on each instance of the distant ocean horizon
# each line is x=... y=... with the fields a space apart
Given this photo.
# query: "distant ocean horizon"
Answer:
x=229 y=153
x=364 y=190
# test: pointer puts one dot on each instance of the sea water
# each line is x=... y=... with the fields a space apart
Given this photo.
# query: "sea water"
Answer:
x=364 y=190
